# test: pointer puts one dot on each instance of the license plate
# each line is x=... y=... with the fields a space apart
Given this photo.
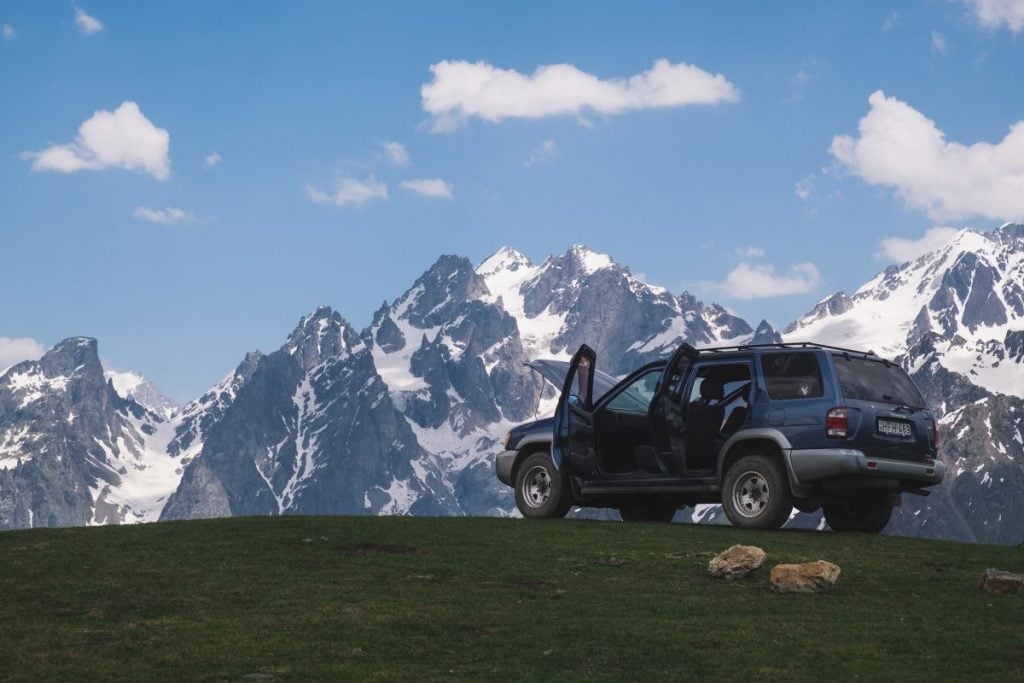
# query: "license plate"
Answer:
x=890 y=428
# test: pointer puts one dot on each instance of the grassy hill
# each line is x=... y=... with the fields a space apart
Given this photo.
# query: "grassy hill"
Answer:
x=413 y=599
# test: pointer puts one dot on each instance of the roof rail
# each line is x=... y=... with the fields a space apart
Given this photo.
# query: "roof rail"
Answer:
x=783 y=345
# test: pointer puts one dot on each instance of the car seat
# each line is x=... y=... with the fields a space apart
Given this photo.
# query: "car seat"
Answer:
x=703 y=422
x=738 y=415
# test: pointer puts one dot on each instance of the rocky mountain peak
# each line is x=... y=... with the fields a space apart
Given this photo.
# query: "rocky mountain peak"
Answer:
x=503 y=260
x=319 y=336
x=75 y=355
x=449 y=282
x=765 y=334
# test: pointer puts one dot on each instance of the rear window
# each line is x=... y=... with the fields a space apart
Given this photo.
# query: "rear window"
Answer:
x=791 y=375
x=873 y=380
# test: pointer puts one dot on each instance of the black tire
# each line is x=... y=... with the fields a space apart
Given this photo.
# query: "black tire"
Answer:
x=755 y=493
x=541 y=490
x=868 y=514
x=648 y=512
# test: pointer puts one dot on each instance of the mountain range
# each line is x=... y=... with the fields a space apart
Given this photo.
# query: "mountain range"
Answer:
x=404 y=416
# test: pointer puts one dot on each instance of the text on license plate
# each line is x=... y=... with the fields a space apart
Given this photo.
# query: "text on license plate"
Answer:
x=893 y=428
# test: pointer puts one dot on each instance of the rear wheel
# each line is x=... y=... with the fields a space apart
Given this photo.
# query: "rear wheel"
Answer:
x=755 y=494
x=868 y=514
x=541 y=491
x=647 y=513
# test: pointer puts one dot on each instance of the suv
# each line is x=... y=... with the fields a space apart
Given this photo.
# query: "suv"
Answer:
x=760 y=429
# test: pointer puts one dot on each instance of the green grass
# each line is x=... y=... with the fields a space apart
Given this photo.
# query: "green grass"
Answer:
x=414 y=599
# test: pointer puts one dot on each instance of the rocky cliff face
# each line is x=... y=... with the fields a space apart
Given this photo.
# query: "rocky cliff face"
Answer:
x=74 y=452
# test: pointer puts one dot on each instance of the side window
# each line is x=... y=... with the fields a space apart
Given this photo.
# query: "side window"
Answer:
x=583 y=382
x=792 y=375
x=636 y=397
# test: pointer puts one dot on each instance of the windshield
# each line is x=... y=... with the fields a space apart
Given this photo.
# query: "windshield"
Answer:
x=874 y=380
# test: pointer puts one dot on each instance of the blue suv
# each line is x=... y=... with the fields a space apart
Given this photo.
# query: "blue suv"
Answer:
x=761 y=429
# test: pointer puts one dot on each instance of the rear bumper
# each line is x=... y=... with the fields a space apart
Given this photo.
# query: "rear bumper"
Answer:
x=812 y=465
x=503 y=466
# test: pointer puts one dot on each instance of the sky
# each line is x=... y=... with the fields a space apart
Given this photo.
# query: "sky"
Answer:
x=185 y=181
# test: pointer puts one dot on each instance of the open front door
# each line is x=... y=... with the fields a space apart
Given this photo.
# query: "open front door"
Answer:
x=666 y=413
x=573 y=444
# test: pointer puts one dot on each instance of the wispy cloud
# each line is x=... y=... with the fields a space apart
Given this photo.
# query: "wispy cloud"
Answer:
x=8 y=32
x=900 y=249
x=86 y=23
x=938 y=42
x=165 y=216
x=993 y=14
x=212 y=159
x=804 y=188
x=16 y=350
x=123 y=138
x=462 y=90
x=434 y=188
x=349 y=192
x=892 y=20
x=763 y=281
x=750 y=252
x=395 y=153
x=899 y=147
x=542 y=153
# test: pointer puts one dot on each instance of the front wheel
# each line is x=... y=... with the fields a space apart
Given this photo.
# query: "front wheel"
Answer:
x=541 y=491
x=647 y=513
x=868 y=514
x=755 y=494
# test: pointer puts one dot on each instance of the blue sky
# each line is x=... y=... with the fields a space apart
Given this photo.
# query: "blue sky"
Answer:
x=734 y=188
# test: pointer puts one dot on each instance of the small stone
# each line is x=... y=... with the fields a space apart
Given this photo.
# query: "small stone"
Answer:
x=809 y=577
x=736 y=562
x=998 y=581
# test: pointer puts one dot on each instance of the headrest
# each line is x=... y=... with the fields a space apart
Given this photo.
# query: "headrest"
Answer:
x=711 y=389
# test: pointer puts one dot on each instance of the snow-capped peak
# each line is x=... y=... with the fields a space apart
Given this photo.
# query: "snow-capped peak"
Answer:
x=505 y=259
x=136 y=387
x=321 y=335
x=590 y=260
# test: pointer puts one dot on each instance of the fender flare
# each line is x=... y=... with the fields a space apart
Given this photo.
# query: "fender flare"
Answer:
x=798 y=489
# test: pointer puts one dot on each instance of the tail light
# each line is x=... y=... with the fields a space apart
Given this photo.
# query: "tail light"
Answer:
x=837 y=423
x=935 y=435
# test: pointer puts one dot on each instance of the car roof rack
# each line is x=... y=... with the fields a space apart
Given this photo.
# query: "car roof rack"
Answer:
x=784 y=345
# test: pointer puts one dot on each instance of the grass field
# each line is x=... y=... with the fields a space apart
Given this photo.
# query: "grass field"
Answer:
x=413 y=599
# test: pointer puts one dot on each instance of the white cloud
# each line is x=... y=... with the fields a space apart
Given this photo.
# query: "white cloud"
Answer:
x=88 y=25
x=349 y=191
x=900 y=148
x=13 y=351
x=212 y=159
x=805 y=188
x=166 y=216
x=123 y=138
x=429 y=187
x=993 y=14
x=757 y=281
x=900 y=249
x=8 y=32
x=750 y=252
x=542 y=153
x=892 y=20
x=396 y=153
x=939 y=46
x=461 y=90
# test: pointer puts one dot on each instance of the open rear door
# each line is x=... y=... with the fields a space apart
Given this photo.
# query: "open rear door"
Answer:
x=666 y=413
x=573 y=444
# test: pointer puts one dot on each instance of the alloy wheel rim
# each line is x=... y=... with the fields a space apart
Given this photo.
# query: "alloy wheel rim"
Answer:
x=751 y=494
